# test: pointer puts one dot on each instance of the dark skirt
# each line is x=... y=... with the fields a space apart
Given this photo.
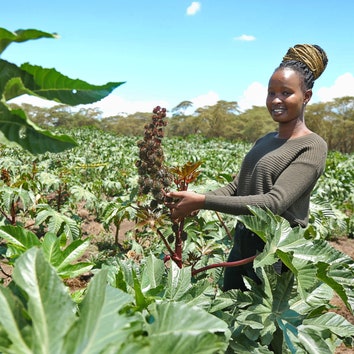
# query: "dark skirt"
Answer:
x=246 y=244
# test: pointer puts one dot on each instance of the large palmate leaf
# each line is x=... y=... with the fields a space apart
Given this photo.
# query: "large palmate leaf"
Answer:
x=57 y=222
x=100 y=324
x=309 y=260
x=41 y=82
x=303 y=324
x=52 y=85
x=179 y=328
x=15 y=127
x=45 y=320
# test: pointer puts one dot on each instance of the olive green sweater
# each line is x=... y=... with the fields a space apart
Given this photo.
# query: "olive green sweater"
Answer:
x=278 y=174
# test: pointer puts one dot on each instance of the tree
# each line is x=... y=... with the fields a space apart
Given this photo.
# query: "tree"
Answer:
x=216 y=121
x=181 y=108
x=254 y=123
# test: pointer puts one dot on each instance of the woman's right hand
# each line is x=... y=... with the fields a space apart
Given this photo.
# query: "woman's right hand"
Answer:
x=185 y=204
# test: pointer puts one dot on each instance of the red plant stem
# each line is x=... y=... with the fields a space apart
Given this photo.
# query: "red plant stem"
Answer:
x=179 y=242
x=13 y=213
x=6 y=217
x=166 y=243
x=224 y=264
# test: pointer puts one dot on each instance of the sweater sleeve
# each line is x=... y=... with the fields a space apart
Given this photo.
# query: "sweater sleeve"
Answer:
x=297 y=180
x=229 y=190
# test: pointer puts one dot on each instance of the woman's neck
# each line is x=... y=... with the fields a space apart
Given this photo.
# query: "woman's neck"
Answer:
x=287 y=131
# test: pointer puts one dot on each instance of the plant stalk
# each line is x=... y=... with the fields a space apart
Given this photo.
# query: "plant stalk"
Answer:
x=224 y=265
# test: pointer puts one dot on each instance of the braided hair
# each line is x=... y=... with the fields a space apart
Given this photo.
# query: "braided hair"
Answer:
x=308 y=60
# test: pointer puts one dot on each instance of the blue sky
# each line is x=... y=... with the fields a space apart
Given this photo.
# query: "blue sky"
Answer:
x=169 y=51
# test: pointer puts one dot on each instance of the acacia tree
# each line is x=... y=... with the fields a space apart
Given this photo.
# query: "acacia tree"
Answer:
x=217 y=120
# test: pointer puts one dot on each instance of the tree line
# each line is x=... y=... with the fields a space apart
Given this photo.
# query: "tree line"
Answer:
x=333 y=120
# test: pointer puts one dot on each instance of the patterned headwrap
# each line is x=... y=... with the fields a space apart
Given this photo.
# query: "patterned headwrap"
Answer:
x=309 y=55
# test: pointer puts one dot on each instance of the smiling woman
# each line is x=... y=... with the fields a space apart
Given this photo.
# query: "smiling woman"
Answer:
x=280 y=171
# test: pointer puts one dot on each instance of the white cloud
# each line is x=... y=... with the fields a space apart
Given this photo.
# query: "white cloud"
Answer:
x=245 y=37
x=193 y=8
x=254 y=95
x=343 y=86
x=208 y=99
x=34 y=101
x=110 y=106
x=115 y=105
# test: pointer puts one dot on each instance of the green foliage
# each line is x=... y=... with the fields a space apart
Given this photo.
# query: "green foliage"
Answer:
x=57 y=222
x=44 y=319
x=283 y=312
x=334 y=121
x=49 y=84
x=62 y=256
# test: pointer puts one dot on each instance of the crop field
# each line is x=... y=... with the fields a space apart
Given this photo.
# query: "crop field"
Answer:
x=137 y=296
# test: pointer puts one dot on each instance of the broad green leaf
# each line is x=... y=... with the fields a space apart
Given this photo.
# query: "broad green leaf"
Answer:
x=11 y=312
x=50 y=307
x=74 y=270
x=153 y=272
x=73 y=252
x=316 y=341
x=51 y=249
x=338 y=324
x=179 y=329
x=54 y=86
x=179 y=282
x=7 y=37
x=100 y=323
x=16 y=128
x=19 y=237
x=141 y=300
x=14 y=81
x=318 y=298
x=63 y=260
x=58 y=222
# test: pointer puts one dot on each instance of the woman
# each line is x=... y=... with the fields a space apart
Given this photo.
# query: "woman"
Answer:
x=281 y=169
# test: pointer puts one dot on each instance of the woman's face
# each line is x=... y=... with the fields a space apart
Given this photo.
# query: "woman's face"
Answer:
x=286 y=97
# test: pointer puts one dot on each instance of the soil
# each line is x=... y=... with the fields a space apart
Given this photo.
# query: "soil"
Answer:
x=95 y=229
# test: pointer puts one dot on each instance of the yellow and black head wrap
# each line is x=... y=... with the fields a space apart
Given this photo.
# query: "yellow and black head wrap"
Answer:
x=312 y=56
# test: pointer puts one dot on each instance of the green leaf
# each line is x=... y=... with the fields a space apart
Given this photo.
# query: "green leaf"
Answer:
x=50 y=307
x=16 y=128
x=11 y=312
x=73 y=252
x=54 y=86
x=179 y=329
x=179 y=282
x=62 y=259
x=152 y=274
x=51 y=249
x=18 y=239
x=100 y=323
x=58 y=222
x=7 y=37
x=338 y=325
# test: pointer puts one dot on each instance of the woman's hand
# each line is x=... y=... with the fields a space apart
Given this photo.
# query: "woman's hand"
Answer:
x=185 y=204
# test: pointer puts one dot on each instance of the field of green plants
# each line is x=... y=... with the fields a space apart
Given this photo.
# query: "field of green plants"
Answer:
x=135 y=299
x=157 y=289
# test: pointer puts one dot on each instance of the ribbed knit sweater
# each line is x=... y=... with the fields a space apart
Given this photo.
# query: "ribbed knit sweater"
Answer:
x=278 y=174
